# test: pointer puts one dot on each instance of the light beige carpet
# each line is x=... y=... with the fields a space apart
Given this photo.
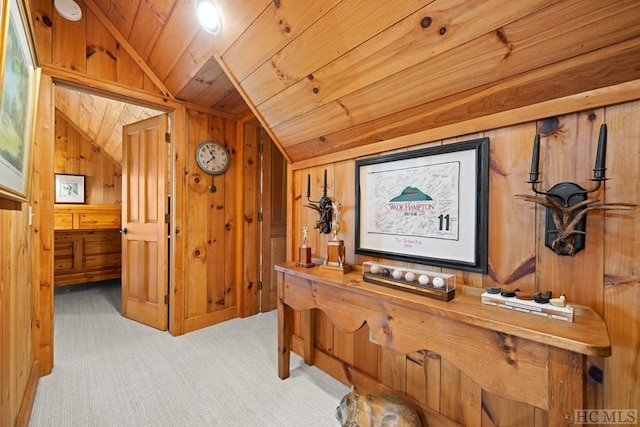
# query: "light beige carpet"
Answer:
x=112 y=371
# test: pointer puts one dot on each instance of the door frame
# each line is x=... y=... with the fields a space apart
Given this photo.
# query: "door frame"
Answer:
x=43 y=342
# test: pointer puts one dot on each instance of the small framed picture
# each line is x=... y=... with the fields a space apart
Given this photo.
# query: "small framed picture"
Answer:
x=69 y=188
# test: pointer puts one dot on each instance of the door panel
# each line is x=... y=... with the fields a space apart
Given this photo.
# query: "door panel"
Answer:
x=144 y=244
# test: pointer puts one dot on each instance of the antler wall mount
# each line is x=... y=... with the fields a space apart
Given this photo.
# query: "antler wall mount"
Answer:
x=322 y=206
x=567 y=204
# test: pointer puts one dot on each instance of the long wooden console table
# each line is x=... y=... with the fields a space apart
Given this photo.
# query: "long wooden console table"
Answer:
x=525 y=358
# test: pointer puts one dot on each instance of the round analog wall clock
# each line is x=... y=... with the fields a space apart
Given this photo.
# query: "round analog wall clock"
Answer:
x=212 y=157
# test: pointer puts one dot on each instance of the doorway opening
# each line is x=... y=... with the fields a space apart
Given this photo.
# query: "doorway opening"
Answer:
x=88 y=237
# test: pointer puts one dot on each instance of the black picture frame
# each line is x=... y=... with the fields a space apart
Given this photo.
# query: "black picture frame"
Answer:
x=426 y=206
x=70 y=189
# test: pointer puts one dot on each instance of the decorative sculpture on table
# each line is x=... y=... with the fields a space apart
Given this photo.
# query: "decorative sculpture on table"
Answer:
x=335 y=256
x=305 y=250
x=335 y=224
x=322 y=206
x=567 y=204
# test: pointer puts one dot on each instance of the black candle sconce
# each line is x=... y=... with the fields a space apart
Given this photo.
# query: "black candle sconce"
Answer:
x=322 y=206
x=567 y=203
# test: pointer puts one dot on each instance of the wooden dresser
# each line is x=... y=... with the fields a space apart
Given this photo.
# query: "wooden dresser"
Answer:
x=516 y=356
x=87 y=243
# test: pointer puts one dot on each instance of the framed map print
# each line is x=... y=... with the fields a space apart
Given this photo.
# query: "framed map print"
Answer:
x=426 y=206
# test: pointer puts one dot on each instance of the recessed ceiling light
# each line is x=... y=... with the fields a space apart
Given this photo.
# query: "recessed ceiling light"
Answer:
x=208 y=16
x=69 y=9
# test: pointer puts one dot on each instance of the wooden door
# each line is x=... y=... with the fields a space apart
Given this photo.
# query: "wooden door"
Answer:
x=275 y=218
x=144 y=205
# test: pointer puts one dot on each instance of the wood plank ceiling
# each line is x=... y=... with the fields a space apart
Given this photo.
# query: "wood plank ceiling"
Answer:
x=99 y=119
x=330 y=75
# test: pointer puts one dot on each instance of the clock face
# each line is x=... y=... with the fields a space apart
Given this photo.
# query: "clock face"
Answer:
x=212 y=157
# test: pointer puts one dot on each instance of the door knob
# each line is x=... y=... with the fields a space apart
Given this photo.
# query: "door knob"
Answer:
x=123 y=231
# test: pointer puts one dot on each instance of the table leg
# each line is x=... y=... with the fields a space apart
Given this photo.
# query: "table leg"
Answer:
x=565 y=386
x=309 y=334
x=285 y=331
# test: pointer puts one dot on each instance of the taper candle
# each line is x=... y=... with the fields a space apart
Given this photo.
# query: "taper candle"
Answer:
x=598 y=171
x=308 y=185
x=535 y=159
x=325 y=182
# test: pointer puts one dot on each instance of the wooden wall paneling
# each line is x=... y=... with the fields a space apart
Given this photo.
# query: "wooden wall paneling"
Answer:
x=464 y=277
x=230 y=137
x=69 y=47
x=74 y=161
x=250 y=223
x=512 y=224
x=365 y=352
x=497 y=411
x=198 y=209
x=400 y=46
x=17 y=300
x=416 y=376
x=432 y=372
x=569 y=155
x=101 y=50
x=129 y=73
x=179 y=161
x=60 y=142
x=276 y=206
x=296 y=199
x=392 y=369
x=343 y=180
x=344 y=193
x=41 y=12
x=344 y=346
x=460 y=397
x=621 y=254
x=266 y=205
x=324 y=332
x=43 y=198
x=209 y=228
x=124 y=42
x=74 y=154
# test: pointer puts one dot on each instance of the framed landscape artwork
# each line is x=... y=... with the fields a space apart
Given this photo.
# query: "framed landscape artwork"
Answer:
x=427 y=206
x=20 y=75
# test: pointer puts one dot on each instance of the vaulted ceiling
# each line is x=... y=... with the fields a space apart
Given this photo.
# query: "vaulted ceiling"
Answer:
x=332 y=75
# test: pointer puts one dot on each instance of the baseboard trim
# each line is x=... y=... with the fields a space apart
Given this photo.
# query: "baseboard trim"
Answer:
x=24 y=416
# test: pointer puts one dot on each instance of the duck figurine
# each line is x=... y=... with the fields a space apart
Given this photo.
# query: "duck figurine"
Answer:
x=561 y=301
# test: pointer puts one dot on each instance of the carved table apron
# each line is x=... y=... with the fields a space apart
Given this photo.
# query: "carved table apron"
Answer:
x=538 y=361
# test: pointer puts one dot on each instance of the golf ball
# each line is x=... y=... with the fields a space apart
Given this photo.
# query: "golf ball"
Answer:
x=438 y=282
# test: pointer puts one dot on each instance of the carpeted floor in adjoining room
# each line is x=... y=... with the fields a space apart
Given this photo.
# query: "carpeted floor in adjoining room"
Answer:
x=112 y=371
